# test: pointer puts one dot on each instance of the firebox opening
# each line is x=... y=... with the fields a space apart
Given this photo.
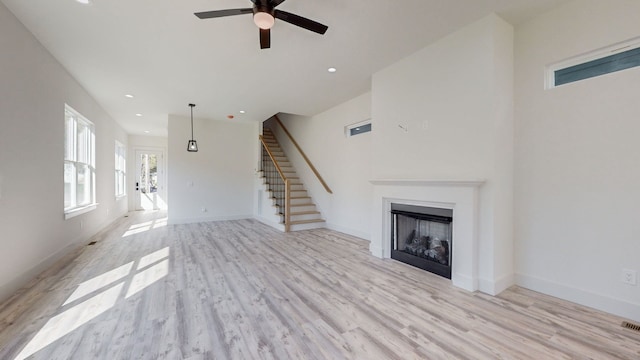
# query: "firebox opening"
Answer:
x=421 y=236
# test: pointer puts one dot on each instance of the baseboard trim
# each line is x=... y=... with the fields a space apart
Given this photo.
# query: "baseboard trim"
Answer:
x=604 y=303
x=495 y=287
x=13 y=286
x=267 y=222
x=177 y=221
x=349 y=231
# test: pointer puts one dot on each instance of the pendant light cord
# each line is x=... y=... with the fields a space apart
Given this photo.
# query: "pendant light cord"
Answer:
x=192 y=105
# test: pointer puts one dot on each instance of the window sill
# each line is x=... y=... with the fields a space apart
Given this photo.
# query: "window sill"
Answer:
x=79 y=211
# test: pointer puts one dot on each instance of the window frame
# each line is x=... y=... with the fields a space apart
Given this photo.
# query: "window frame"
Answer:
x=348 y=130
x=120 y=170
x=80 y=153
x=617 y=48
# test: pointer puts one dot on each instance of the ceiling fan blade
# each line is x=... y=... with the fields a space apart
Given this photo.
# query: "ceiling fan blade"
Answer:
x=301 y=21
x=265 y=38
x=275 y=3
x=221 y=13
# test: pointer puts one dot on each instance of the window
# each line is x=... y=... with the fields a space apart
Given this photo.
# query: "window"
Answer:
x=358 y=128
x=79 y=164
x=614 y=58
x=120 y=170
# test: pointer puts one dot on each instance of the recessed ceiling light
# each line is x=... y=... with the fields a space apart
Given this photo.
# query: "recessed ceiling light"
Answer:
x=129 y=96
x=242 y=111
x=332 y=69
x=147 y=131
x=138 y=115
x=83 y=2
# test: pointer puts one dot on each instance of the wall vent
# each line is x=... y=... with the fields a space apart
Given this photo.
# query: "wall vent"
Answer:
x=632 y=326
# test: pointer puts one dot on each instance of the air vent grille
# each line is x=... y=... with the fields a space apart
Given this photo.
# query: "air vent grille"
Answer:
x=628 y=325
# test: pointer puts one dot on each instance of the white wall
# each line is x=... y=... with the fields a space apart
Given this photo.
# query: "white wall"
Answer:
x=446 y=112
x=343 y=162
x=577 y=161
x=219 y=177
x=34 y=88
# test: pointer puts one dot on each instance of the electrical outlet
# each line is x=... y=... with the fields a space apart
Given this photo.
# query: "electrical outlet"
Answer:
x=629 y=277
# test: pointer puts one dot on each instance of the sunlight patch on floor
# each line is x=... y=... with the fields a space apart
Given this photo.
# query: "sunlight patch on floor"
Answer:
x=147 y=277
x=156 y=267
x=145 y=226
x=99 y=282
x=64 y=323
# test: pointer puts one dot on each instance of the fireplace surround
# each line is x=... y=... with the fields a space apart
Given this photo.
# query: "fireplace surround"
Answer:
x=460 y=196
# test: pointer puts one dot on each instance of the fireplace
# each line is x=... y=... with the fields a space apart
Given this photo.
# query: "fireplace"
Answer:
x=422 y=237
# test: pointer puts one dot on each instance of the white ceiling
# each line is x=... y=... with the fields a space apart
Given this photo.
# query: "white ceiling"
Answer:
x=160 y=52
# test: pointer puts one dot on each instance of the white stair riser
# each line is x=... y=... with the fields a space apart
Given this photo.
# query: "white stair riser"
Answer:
x=294 y=193
x=303 y=208
x=300 y=201
x=300 y=227
x=314 y=216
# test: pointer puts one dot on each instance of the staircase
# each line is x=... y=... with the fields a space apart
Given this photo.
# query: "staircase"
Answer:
x=303 y=212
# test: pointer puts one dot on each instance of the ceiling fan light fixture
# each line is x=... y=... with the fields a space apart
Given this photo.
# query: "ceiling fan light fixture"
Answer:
x=263 y=20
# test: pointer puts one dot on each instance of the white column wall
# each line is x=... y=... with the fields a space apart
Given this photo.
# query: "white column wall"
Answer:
x=446 y=112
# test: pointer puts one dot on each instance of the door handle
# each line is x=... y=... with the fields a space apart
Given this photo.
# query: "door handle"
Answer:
x=137 y=186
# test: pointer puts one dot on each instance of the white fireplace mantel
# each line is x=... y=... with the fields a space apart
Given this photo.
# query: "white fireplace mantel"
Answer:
x=459 y=195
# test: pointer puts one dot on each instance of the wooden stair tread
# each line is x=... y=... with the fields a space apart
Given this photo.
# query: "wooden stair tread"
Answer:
x=305 y=213
x=306 y=221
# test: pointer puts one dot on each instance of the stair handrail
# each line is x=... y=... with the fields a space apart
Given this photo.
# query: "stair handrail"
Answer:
x=273 y=159
x=304 y=156
x=287 y=186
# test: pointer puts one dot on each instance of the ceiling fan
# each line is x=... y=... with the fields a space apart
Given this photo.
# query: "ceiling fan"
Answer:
x=264 y=15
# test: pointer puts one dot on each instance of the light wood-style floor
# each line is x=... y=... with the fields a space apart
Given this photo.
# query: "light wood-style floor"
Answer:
x=241 y=290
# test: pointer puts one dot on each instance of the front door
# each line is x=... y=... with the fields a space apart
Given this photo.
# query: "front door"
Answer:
x=149 y=180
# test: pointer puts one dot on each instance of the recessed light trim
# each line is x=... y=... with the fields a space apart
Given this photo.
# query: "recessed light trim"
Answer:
x=129 y=96
x=332 y=70
x=139 y=115
x=147 y=131
x=242 y=112
x=83 y=2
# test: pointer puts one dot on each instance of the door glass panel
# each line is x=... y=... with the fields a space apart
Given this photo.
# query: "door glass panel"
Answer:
x=149 y=173
x=153 y=173
x=144 y=172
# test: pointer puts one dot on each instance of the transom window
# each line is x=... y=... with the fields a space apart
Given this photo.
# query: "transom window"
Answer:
x=614 y=58
x=358 y=128
x=79 y=163
x=120 y=165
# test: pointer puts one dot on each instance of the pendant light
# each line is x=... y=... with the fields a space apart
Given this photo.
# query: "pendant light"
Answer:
x=192 y=146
